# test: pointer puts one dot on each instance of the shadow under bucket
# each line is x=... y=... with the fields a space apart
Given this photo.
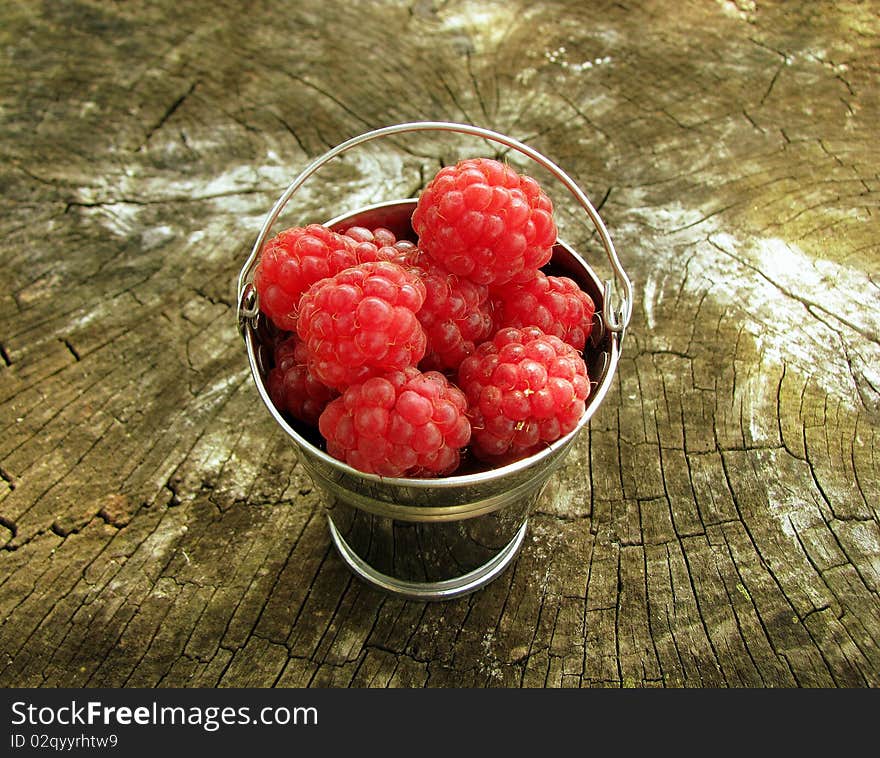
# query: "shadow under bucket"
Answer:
x=434 y=539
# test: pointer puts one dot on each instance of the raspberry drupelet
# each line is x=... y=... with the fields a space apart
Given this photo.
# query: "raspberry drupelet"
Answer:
x=485 y=222
x=294 y=259
x=361 y=323
x=291 y=386
x=291 y=262
x=380 y=244
x=403 y=423
x=556 y=304
x=525 y=389
x=456 y=316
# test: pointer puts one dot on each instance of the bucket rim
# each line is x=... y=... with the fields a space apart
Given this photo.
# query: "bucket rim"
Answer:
x=594 y=400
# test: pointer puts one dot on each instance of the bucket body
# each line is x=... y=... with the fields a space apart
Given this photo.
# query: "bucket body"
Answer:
x=436 y=538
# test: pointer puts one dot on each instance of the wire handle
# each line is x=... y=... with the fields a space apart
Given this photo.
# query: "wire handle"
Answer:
x=614 y=319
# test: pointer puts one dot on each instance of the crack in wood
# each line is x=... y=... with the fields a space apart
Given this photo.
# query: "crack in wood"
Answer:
x=166 y=115
x=771 y=84
x=73 y=351
x=253 y=595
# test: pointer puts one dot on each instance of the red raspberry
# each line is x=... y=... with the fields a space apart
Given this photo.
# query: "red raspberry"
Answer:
x=484 y=221
x=556 y=304
x=362 y=322
x=524 y=389
x=403 y=423
x=291 y=386
x=291 y=262
x=456 y=316
x=380 y=244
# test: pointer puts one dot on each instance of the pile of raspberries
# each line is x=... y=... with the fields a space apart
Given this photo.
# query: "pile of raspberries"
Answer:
x=410 y=357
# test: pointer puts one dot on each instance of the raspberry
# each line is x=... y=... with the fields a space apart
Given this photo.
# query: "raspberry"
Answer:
x=291 y=262
x=556 y=304
x=291 y=386
x=403 y=423
x=524 y=389
x=380 y=244
x=456 y=316
x=484 y=221
x=361 y=322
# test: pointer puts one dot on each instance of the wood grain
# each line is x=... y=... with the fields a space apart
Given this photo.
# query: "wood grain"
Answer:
x=715 y=526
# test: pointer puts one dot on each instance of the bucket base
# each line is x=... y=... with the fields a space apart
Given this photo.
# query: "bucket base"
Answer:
x=440 y=590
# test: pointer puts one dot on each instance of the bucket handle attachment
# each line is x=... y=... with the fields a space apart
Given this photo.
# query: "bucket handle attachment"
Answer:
x=613 y=319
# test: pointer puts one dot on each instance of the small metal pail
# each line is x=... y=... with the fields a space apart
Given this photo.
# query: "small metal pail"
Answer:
x=436 y=539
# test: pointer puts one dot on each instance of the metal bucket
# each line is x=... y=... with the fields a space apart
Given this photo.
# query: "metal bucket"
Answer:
x=435 y=539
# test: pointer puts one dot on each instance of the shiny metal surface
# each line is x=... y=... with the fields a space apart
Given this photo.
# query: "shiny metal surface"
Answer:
x=434 y=539
x=425 y=589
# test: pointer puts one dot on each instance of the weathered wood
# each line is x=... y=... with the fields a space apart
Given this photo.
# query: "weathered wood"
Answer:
x=716 y=525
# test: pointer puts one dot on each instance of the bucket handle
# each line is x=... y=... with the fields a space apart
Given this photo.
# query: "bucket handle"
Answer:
x=614 y=319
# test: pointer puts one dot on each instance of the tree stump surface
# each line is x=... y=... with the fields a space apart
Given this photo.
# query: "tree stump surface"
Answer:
x=715 y=525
